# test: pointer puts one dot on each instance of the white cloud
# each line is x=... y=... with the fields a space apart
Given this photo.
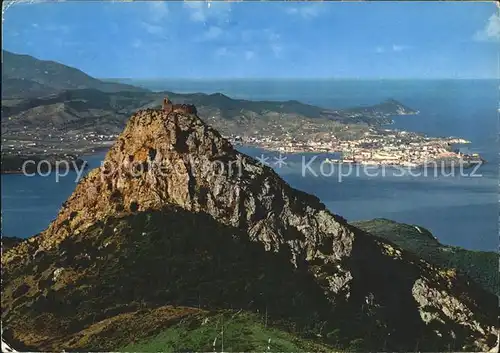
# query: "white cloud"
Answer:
x=152 y=28
x=491 y=32
x=249 y=55
x=305 y=11
x=396 y=47
x=153 y=17
x=137 y=43
x=197 y=10
x=263 y=40
x=204 y=11
x=393 y=48
x=222 y=51
x=274 y=40
x=213 y=32
x=273 y=36
x=259 y=35
x=158 y=10
x=62 y=43
x=61 y=29
x=276 y=49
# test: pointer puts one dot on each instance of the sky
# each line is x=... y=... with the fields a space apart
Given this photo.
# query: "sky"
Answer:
x=190 y=39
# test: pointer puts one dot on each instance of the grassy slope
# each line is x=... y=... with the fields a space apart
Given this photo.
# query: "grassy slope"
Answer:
x=243 y=332
x=481 y=266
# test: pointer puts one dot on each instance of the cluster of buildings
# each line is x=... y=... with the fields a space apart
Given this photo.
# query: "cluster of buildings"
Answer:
x=399 y=148
x=354 y=143
x=33 y=142
x=374 y=147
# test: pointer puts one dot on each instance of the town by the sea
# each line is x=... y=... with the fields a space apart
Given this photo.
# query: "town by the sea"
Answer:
x=459 y=208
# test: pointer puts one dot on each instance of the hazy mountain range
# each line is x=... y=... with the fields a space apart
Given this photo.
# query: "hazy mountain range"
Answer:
x=49 y=94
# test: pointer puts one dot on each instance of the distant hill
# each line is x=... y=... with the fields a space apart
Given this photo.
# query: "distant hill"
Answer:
x=102 y=112
x=481 y=266
x=107 y=112
x=17 y=87
x=233 y=107
x=24 y=76
x=389 y=107
x=38 y=92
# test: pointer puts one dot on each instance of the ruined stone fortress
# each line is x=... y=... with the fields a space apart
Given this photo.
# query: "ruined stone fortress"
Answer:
x=169 y=107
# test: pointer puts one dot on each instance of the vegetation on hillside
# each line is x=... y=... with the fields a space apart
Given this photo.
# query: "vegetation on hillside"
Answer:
x=481 y=266
x=228 y=331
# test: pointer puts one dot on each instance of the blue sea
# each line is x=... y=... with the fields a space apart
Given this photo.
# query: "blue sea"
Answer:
x=460 y=210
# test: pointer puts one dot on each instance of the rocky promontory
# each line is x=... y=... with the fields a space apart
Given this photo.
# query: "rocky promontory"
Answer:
x=176 y=216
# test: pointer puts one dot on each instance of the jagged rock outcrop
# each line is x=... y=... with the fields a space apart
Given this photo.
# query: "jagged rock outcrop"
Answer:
x=168 y=107
x=481 y=266
x=169 y=162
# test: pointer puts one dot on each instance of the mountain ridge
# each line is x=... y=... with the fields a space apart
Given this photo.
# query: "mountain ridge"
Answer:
x=50 y=74
x=481 y=266
x=28 y=80
x=121 y=219
x=85 y=110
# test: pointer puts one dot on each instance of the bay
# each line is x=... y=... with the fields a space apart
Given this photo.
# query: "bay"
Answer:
x=460 y=210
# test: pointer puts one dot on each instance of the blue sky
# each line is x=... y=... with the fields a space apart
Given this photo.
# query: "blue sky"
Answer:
x=260 y=39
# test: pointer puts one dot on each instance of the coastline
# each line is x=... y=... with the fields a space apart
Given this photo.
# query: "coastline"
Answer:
x=14 y=164
x=96 y=150
x=443 y=162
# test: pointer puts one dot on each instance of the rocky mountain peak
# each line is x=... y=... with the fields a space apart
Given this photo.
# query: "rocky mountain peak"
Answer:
x=170 y=156
x=169 y=173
